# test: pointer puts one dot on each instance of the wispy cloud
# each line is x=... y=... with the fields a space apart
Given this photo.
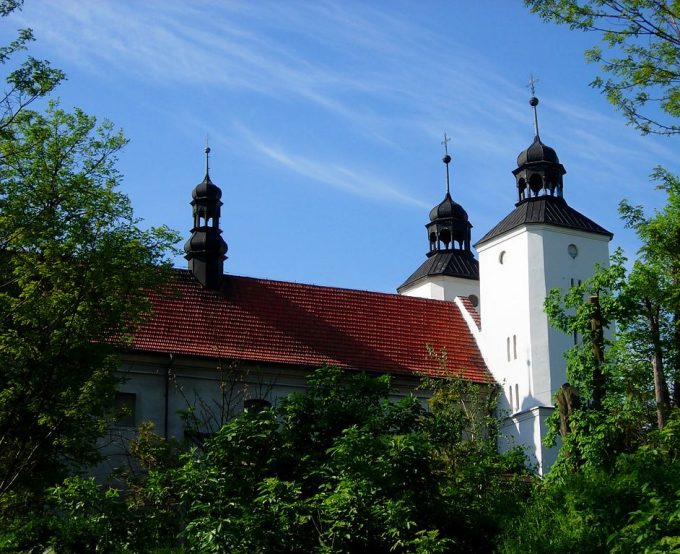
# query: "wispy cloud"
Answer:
x=373 y=72
x=335 y=175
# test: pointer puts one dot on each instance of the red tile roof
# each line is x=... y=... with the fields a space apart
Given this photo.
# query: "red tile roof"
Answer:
x=265 y=321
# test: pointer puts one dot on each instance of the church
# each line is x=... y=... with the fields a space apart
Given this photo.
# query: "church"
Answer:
x=217 y=343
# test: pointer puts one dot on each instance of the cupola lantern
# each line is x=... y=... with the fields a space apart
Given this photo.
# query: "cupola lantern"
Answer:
x=206 y=249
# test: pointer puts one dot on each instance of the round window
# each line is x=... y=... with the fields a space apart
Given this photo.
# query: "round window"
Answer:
x=573 y=250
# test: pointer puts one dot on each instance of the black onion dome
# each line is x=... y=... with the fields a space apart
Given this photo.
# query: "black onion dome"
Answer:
x=448 y=209
x=537 y=152
x=206 y=189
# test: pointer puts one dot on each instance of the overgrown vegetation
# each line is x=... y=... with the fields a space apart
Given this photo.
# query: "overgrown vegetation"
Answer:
x=338 y=468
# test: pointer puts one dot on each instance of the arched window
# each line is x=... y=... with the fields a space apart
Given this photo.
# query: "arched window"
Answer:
x=514 y=347
x=445 y=236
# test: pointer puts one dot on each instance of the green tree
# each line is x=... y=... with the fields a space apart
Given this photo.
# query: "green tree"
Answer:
x=30 y=80
x=338 y=468
x=659 y=266
x=74 y=266
x=631 y=507
x=639 y=54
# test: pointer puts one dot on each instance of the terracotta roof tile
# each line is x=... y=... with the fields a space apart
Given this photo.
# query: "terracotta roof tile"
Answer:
x=265 y=321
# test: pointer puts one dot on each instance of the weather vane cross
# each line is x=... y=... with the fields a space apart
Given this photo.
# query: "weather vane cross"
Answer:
x=533 y=101
x=445 y=143
x=532 y=85
x=446 y=159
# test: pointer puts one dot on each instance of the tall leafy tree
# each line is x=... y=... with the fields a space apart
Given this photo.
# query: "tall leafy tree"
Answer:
x=659 y=271
x=74 y=265
x=638 y=54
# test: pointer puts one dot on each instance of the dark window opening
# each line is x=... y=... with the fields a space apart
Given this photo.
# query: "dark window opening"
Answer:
x=125 y=404
x=256 y=404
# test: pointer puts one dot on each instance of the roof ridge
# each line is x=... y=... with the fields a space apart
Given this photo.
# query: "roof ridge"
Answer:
x=405 y=298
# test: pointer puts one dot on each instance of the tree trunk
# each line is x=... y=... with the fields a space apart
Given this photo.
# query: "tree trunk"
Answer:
x=567 y=402
x=676 y=359
x=597 y=337
x=661 y=394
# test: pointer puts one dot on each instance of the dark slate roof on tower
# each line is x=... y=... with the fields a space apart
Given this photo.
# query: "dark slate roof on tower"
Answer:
x=275 y=322
x=548 y=210
x=453 y=264
x=447 y=208
x=537 y=152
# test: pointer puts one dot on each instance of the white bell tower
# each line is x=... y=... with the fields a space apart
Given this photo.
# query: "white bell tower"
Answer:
x=450 y=269
x=542 y=244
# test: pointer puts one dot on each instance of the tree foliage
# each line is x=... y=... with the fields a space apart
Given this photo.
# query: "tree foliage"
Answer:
x=639 y=54
x=338 y=468
x=73 y=267
x=633 y=506
x=28 y=81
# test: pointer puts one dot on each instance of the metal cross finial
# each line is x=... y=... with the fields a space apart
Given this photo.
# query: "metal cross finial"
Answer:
x=446 y=159
x=445 y=143
x=533 y=101
x=532 y=84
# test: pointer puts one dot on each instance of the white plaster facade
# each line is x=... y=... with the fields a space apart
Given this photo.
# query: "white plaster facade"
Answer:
x=524 y=354
x=163 y=387
x=442 y=287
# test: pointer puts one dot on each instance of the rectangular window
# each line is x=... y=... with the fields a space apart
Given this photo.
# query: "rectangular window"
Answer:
x=125 y=405
x=517 y=398
x=512 y=406
x=508 y=347
x=514 y=346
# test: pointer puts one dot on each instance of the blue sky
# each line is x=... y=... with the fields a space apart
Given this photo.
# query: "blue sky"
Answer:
x=325 y=120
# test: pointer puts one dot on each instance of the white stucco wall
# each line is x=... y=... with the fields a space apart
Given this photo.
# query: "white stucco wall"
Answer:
x=524 y=354
x=442 y=287
x=195 y=383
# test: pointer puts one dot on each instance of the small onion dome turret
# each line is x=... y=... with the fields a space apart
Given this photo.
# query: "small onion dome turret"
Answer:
x=537 y=152
x=539 y=171
x=206 y=249
x=448 y=209
x=206 y=190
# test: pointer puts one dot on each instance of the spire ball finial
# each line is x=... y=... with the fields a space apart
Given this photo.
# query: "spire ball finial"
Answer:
x=207 y=159
x=533 y=101
x=446 y=159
